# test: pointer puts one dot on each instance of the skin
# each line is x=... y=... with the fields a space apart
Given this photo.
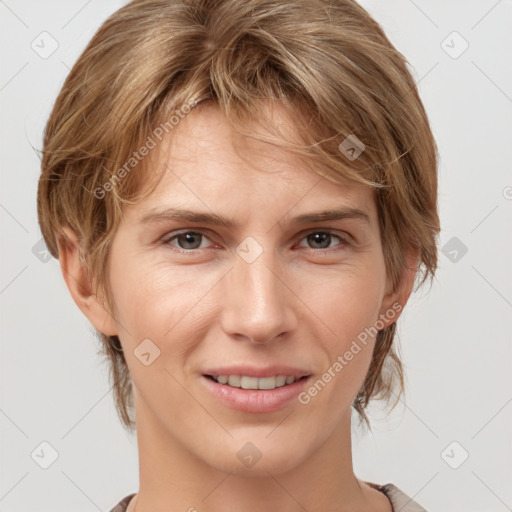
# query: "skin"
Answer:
x=302 y=302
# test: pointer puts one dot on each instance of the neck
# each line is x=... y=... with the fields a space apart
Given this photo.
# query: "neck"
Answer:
x=174 y=479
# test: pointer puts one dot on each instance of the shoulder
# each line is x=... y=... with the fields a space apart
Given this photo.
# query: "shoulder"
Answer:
x=123 y=504
x=399 y=500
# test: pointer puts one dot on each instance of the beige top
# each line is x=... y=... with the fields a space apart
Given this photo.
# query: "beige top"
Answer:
x=399 y=501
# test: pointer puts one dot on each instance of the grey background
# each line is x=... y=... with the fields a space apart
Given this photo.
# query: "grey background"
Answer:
x=455 y=338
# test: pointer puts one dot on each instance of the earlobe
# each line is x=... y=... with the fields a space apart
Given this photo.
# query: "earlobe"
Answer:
x=77 y=278
x=395 y=301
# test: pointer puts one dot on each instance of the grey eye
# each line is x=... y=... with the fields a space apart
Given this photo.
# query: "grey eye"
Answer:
x=188 y=240
x=320 y=240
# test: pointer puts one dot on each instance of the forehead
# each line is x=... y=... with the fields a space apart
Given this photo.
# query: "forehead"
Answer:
x=207 y=135
x=206 y=162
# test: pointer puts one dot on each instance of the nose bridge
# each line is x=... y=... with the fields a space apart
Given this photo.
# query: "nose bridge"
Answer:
x=257 y=303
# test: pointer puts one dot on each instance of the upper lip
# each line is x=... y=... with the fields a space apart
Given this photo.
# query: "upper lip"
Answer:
x=261 y=372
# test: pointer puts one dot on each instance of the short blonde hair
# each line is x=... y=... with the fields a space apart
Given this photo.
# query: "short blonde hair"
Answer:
x=328 y=62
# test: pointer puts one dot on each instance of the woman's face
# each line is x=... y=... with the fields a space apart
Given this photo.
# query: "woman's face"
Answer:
x=229 y=269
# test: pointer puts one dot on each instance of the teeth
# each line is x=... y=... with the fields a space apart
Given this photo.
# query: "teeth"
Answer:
x=248 y=382
x=234 y=381
x=280 y=381
x=245 y=382
x=267 y=383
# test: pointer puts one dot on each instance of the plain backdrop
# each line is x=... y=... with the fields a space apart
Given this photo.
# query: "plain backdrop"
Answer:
x=447 y=443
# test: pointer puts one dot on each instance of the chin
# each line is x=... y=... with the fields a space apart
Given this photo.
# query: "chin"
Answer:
x=256 y=459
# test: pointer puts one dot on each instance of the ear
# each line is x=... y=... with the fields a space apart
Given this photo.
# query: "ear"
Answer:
x=395 y=300
x=76 y=275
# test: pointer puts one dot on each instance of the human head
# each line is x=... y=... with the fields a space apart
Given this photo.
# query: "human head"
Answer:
x=329 y=63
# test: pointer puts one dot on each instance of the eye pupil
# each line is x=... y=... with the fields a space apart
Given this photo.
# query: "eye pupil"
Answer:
x=324 y=239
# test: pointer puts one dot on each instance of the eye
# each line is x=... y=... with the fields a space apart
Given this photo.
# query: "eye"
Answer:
x=190 y=241
x=187 y=240
x=324 y=239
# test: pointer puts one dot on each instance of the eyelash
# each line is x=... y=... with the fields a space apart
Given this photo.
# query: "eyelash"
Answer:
x=342 y=242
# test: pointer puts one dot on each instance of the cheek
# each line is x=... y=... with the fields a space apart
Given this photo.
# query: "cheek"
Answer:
x=169 y=308
x=159 y=302
x=348 y=305
x=347 y=301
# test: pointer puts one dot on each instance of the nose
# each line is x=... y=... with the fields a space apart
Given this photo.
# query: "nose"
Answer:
x=257 y=304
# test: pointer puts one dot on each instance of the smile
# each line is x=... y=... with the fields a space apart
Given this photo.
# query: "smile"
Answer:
x=246 y=382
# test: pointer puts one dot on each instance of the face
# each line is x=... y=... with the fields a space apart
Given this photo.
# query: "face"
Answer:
x=228 y=272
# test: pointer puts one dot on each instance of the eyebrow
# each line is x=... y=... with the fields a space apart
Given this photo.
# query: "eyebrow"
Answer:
x=178 y=214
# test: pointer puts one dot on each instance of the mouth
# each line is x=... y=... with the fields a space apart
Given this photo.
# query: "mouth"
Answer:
x=262 y=383
x=255 y=390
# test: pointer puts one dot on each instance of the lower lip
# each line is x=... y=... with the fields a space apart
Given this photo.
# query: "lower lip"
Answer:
x=255 y=400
